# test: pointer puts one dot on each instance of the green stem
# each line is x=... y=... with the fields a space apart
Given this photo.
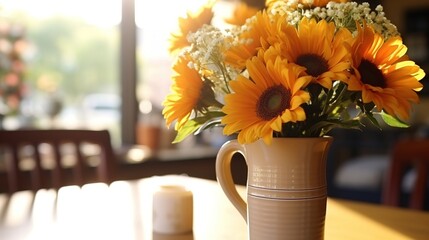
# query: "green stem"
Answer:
x=337 y=100
x=226 y=77
x=328 y=100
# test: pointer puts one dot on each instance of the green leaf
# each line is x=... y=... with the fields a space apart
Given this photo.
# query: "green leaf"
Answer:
x=197 y=125
x=208 y=124
x=190 y=127
x=373 y=120
x=211 y=119
x=392 y=121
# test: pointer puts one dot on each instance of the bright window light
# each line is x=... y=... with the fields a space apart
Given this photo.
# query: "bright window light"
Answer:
x=95 y=12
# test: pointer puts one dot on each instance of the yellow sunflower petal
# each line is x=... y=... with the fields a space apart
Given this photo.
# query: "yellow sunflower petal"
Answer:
x=191 y=23
x=276 y=125
x=300 y=97
x=258 y=32
x=384 y=74
x=186 y=90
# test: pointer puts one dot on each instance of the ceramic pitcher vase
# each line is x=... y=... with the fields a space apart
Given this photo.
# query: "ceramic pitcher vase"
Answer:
x=286 y=186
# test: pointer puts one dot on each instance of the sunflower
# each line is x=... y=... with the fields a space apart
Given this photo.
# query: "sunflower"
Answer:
x=271 y=96
x=186 y=93
x=241 y=13
x=191 y=23
x=384 y=74
x=320 y=49
x=258 y=33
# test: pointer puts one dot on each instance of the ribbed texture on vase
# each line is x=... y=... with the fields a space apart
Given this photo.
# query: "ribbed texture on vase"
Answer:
x=286 y=219
x=287 y=194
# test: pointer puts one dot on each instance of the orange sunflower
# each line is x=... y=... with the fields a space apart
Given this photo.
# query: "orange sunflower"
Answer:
x=191 y=23
x=186 y=93
x=320 y=49
x=261 y=31
x=260 y=104
x=241 y=13
x=384 y=74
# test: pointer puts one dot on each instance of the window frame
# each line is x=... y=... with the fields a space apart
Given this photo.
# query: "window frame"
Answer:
x=128 y=73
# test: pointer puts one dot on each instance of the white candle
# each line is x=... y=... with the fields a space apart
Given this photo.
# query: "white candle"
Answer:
x=172 y=210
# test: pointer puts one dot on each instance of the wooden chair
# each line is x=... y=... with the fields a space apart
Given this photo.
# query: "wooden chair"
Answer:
x=37 y=159
x=407 y=153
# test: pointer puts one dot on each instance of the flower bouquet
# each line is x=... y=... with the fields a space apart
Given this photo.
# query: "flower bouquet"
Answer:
x=292 y=69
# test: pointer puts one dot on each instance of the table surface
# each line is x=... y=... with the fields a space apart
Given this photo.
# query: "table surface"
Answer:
x=123 y=211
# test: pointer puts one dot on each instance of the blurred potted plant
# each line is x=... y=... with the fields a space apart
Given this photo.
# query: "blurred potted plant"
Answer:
x=12 y=88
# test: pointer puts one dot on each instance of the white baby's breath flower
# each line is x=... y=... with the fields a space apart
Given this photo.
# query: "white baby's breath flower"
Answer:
x=191 y=65
x=330 y=12
x=366 y=10
x=347 y=15
x=207 y=48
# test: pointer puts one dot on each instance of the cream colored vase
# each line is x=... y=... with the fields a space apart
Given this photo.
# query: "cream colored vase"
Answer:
x=286 y=186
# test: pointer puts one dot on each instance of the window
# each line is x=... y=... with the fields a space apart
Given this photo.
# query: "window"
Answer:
x=72 y=71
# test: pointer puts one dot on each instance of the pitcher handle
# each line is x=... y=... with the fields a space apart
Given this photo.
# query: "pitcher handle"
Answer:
x=224 y=175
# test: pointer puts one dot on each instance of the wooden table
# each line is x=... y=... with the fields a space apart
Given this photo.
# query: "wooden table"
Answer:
x=123 y=211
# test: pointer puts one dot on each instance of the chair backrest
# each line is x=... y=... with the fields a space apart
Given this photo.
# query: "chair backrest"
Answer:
x=36 y=159
x=407 y=153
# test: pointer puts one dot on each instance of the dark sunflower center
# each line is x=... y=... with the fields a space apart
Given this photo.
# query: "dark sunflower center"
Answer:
x=273 y=102
x=206 y=97
x=315 y=64
x=371 y=75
